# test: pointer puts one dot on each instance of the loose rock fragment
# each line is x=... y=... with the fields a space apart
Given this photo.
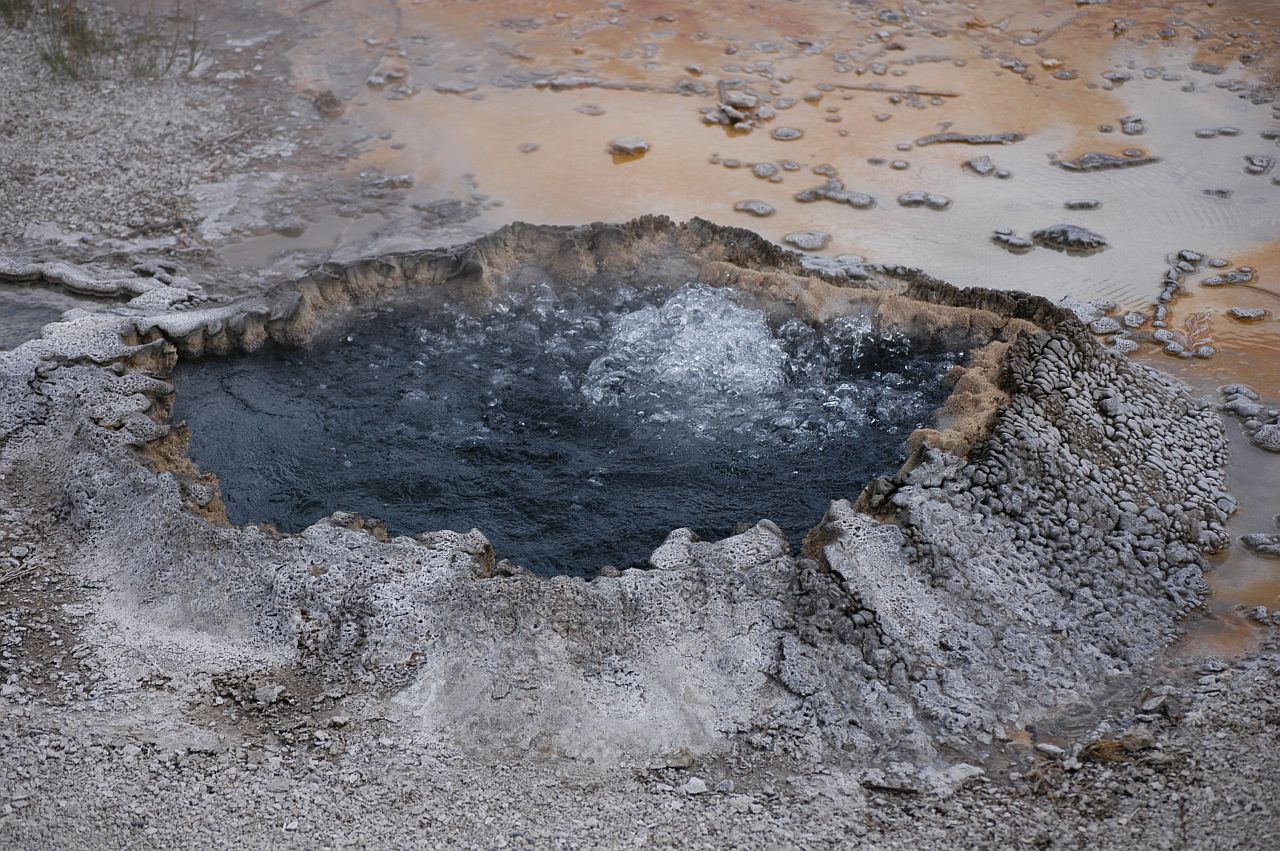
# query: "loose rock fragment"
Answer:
x=970 y=139
x=1260 y=424
x=1243 y=275
x=1264 y=544
x=834 y=190
x=920 y=198
x=740 y=109
x=1123 y=345
x=1267 y=436
x=1259 y=164
x=756 y=208
x=981 y=166
x=1012 y=241
x=1096 y=161
x=457 y=87
x=1131 y=125
x=628 y=146
x=808 y=240
x=1070 y=237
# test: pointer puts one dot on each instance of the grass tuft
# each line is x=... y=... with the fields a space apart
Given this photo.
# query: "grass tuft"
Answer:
x=79 y=38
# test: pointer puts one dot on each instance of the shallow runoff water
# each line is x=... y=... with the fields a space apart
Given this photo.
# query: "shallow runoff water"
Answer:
x=575 y=430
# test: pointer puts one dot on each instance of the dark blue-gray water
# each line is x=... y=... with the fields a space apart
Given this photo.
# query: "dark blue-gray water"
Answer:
x=574 y=430
x=25 y=310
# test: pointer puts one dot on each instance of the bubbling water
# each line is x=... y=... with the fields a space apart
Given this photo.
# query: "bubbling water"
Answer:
x=575 y=430
x=699 y=358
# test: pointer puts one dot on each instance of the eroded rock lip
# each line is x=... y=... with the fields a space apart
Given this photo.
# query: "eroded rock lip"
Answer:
x=1045 y=537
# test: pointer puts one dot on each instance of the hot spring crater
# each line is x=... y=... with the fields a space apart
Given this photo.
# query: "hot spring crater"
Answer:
x=575 y=429
x=431 y=477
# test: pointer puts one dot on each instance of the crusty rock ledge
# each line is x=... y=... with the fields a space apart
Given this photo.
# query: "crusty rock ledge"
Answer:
x=1045 y=538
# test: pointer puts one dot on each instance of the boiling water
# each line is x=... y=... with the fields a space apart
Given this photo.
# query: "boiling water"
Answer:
x=574 y=430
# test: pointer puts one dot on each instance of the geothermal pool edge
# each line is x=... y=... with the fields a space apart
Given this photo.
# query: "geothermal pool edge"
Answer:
x=1046 y=539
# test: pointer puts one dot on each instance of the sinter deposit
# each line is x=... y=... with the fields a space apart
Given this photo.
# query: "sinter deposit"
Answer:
x=1042 y=538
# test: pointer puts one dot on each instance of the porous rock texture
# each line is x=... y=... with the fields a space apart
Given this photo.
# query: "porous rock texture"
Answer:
x=1044 y=537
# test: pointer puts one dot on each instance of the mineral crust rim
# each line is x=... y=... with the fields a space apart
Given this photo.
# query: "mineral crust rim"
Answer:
x=1047 y=538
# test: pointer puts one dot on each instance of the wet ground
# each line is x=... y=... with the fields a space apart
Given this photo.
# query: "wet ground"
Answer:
x=522 y=108
x=25 y=310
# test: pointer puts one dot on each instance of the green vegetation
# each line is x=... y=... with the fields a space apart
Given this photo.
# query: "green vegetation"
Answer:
x=77 y=39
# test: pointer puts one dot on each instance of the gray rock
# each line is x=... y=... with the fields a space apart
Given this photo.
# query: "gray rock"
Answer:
x=834 y=190
x=1243 y=275
x=456 y=87
x=1096 y=161
x=920 y=198
x=628 y=146
x=981 y=166
x=1264 y=544
x=1070 y=237
x=1012 y=241
x=808 y=240
x=1259 y=164
x=756 y=208
x=694 y=786
x=1131 y=125
x=1267 y=437
x=970 y=139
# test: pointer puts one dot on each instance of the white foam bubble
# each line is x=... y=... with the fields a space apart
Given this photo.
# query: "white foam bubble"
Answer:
x=697 y=357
